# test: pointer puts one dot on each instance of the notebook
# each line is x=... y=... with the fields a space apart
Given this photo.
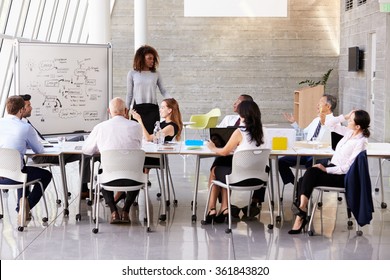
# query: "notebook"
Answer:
x=221 y=135
x=335 y=138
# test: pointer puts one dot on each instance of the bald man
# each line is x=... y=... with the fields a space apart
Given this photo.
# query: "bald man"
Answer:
x=116 y=133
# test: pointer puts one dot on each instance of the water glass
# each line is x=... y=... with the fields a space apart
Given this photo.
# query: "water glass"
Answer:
x=315 y=142
x=61 y=140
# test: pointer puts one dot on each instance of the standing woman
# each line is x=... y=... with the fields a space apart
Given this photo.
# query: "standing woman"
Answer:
x=142 y=83
x=332 y=175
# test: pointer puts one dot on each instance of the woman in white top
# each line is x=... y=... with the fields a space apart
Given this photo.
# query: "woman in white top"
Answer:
x=347 y=149
x=142 y=83
x=249 y=137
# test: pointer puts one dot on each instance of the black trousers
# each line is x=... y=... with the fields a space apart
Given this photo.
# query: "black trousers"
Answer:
x=130 y=195
x=314 y=177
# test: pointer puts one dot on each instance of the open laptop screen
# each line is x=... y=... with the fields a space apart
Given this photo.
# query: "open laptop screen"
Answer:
x=221 y=135
x=335 y=138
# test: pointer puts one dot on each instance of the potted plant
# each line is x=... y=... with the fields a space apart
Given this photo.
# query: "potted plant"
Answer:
x=323 y=81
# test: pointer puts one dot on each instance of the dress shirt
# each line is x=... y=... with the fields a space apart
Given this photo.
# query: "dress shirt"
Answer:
x=347 y=148
x=16 y=134
x=229 y=120
x=114 y=134
x=323 y=136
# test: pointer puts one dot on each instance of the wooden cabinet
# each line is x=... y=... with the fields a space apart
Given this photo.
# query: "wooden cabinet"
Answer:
x=305 y=104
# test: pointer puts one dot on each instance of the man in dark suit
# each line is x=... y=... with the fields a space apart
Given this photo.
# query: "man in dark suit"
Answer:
x=54 y=160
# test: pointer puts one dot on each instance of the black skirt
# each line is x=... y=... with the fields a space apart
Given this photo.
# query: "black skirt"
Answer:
x=149 y=114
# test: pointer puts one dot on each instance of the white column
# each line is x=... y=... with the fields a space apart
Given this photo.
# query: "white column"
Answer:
x=140 y=23
x=99 y=19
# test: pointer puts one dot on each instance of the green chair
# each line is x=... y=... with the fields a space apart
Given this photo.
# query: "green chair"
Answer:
x=205 y=121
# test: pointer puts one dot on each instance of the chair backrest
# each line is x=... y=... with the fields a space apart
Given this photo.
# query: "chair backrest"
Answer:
x=249 y=164
x=10 y=165
x=216 y=112
x=207 y=120
x=122 y=164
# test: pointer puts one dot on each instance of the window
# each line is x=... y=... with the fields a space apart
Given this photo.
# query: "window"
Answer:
x=348 y=5
x=361 y=2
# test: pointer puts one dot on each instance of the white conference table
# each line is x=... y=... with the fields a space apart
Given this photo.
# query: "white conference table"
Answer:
x=72 y=147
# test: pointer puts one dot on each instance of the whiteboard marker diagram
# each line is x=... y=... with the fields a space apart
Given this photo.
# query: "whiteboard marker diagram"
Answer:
x=69 y=88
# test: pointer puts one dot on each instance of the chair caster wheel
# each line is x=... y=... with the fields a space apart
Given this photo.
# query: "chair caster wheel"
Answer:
x=359 y=233
x=66 y=212
x=58 y=201
x=228 y=230
x=78 y=217
x=20 y=228
x=310 y=232
x=175 y=202
x=145 y=220
x=158 y=194
x=148 y=229
x=278 y=219
x=270 y=226
x=168 y=203
x=135 y=203
x=193 y=218
x=319 y=204
x=376 y=189
x=89 y=202
x=339 y=198
x=163 y=217
x=350 y=223
x=44 y=219
x=69 y=194
x=203 y=222
x=383 y=205
x=1 y=216
x=95 y=230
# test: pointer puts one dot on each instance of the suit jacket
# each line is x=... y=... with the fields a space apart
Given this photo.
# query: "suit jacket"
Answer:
x=358 y=190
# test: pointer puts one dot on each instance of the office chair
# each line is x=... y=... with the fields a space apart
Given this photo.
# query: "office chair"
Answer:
x=10 y=168
x=205 y=121
x=124 y=165
x=357 y=192
x=248 y=174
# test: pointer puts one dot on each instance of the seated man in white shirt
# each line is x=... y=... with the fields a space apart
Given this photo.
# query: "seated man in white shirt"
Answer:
x=234 y=120
x=116 y=133
x=316 y=128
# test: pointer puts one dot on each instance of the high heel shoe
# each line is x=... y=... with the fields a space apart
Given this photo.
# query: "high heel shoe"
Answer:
x=210 y=217
x=221 y=218
x=302 y=215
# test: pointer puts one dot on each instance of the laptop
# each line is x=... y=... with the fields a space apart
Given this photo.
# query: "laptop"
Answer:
x=221 y=135
x=334 y=139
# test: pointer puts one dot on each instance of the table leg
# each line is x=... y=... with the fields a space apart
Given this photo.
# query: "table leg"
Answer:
x=194 y=201
x=296 y=177
x=279 y=216
x=163 y=215
x=61 y=160
x=383 y=203
x=82 y=162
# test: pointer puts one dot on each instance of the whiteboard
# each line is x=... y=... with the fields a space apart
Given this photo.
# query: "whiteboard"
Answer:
x=69 y=84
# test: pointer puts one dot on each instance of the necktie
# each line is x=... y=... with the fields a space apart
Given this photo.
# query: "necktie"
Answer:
x=237 y=122
x=317 y=130
x=39 y=134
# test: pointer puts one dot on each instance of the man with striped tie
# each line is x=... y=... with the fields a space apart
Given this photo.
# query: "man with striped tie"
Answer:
x=315 y=130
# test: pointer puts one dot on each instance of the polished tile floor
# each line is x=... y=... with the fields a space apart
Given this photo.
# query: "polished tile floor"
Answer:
x=64 y=238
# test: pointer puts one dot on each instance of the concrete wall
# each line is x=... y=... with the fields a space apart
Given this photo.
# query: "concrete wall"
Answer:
x=208 y=62
x=357 y=27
